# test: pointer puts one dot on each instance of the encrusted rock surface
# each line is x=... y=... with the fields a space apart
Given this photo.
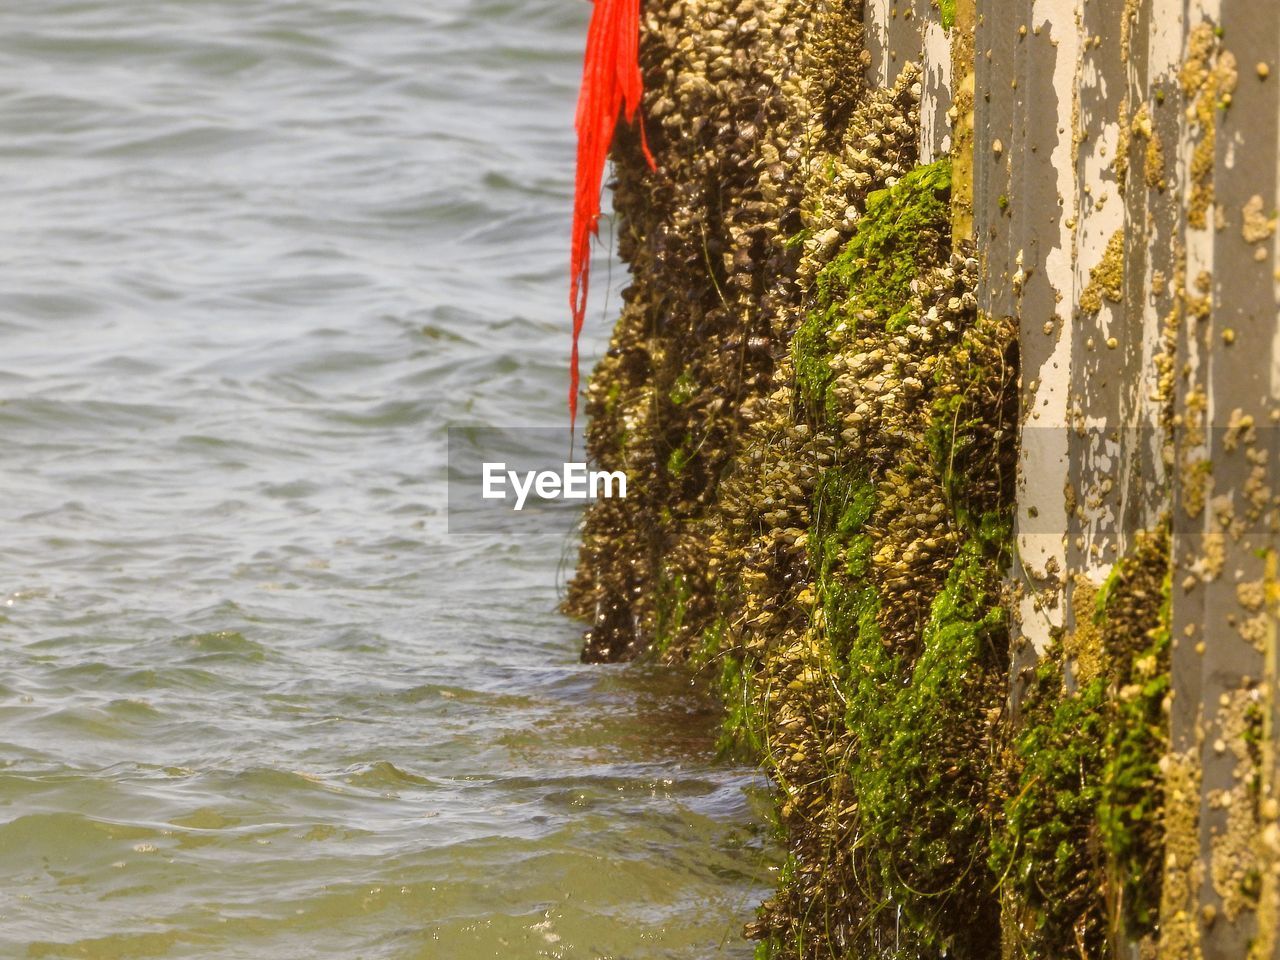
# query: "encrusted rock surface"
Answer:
x=817 y=392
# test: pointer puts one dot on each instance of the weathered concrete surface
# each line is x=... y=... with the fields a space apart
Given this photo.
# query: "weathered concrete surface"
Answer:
x=1149 y=337
x=1148 y=322
x=1222 y=578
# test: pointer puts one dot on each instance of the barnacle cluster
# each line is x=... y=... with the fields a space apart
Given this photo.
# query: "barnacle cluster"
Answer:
x=798 y=381
x=819 y=425
x=708 y=238
x=866 y=623
x=1080 y=843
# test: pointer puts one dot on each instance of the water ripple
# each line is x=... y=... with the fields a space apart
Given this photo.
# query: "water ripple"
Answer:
x=255 y=702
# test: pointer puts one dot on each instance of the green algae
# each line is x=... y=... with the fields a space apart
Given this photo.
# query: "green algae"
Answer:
x=920 y=725
x=919 y=708
x=1130 y=812
x=1079 y=853
x=948 y=11
x=678 y=461
x=921 y=773
x=671 y=605
x=683 y=389
x=1047 y=852
x=1130 y=807
x=743 y=729
x=840 y=551
x=869 y=281
x=967 y=415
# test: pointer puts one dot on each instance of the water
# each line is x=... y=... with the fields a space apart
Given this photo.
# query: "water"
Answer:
x=254 y=702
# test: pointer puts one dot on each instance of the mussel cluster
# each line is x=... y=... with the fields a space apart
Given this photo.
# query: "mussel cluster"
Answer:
x=883 y=447
x=711 y=242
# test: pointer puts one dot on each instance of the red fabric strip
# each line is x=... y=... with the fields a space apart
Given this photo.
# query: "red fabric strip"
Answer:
x=611 y=85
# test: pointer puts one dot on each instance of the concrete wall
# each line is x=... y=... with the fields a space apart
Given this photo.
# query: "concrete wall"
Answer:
x=1124 y=158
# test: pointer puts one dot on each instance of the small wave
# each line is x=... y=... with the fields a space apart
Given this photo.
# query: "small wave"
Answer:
x=384 y=775
x=221 y=644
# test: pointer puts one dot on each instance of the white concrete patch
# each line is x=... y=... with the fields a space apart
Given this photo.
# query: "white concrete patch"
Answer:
x=876 y=19
x=935 y=94
x=1043 y=452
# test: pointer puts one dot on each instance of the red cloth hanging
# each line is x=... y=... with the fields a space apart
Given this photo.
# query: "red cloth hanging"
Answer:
x=611 y=84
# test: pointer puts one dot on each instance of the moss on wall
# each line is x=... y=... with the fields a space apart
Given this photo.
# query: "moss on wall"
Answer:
x=947 y=8
x=1079 y=851
x=820 y=427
